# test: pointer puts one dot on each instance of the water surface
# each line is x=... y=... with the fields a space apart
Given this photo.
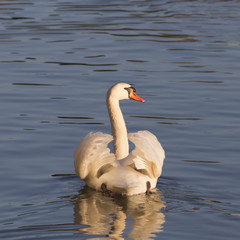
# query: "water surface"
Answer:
x=58 y=58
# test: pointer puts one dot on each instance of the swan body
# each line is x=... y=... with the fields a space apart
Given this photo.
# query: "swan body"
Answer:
x=120 y=172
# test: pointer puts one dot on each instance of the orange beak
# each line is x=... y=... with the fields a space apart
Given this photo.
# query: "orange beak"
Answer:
x=135 y=97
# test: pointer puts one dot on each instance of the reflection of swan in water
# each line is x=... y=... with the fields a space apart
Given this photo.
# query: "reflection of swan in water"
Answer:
x=108 y=216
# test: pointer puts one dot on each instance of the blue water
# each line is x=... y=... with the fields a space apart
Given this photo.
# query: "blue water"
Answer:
x=58 y=58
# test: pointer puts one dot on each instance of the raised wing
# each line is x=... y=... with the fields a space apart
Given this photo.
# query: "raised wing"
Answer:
x=92 y=157
x=148 y=154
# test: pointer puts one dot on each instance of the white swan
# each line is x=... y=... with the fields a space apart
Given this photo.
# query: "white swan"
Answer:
x=120 y=172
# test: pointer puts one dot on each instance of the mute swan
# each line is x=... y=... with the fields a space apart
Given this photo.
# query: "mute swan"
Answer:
x=120 y=172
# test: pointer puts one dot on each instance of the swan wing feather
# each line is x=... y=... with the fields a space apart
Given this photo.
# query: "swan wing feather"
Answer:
x=92 y=154
x=148 y=154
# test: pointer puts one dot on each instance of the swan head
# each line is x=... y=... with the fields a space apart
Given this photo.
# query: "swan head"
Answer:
x=121 y=91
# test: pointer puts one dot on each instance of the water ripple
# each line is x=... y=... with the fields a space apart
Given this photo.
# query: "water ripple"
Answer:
x=170 y=118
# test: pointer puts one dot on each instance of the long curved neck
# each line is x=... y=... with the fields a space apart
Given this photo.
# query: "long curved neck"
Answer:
x=118 y=127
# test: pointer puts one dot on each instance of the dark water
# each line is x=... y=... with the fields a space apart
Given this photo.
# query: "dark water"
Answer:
x=58 y=58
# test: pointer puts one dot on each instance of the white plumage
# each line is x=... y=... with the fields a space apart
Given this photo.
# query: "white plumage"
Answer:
x=121 y=172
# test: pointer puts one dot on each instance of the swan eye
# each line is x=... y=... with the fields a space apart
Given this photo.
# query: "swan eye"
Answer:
x=130 y=89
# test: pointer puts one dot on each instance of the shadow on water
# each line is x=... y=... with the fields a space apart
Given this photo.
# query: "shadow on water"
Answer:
x=109 y=216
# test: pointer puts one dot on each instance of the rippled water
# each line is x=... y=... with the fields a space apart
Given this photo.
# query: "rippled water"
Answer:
x=58 y=58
